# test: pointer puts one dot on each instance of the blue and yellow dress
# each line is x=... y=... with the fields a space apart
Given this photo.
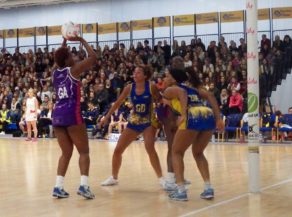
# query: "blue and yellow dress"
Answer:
x=142 y=115
x=199 y=117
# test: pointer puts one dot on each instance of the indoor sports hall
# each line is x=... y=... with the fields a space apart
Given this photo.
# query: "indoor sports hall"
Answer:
x=145 y=108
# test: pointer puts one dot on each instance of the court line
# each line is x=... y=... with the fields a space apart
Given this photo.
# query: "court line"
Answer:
x=233 y=199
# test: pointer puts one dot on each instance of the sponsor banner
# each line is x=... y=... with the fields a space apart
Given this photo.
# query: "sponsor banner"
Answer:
x=26 y=32
x=89 y=28
x=124 y=27
x=161 y=21
x=141 y=25
x=206 y=18
x=264 y=14
x=1 y=34
x=54 y=30
x=10 y=33
x=107 y=28
x=41 y=30
x=183 y=20
x=282 y=13
x=231 y=16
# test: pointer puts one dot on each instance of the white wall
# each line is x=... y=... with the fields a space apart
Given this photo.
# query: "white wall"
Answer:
x=107 y=11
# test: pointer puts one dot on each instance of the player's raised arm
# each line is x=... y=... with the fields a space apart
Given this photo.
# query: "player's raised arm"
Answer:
x=78 y=68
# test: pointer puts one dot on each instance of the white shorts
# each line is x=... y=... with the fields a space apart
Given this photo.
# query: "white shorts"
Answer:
x=30 y=117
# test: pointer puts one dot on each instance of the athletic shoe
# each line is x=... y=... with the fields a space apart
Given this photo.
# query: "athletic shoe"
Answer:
x=110 y=182
x=169 y=187
x=85 y=192
x=60 y=193
x=186 y=182
x=178 y=195
x=28 y=139
x=208 y=194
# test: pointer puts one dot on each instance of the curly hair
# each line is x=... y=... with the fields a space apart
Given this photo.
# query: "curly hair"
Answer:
x=193 y=77
x=61 y=55
x=147 y=70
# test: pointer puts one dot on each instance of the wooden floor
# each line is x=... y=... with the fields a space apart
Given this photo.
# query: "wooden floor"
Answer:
x=27 y=176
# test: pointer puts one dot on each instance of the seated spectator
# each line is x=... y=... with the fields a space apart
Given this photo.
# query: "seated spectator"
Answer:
x=4 y=118
x=45 y=102
x=175 y=48
x=124 y=121
x=111 y=91
x=222 y=43
x=117 y=83
x=102 y=97
x=116 y=119
x=208 y=66
x=214 y=90
x=167 y=52
x=233 y=47
x=282 y=124
x=235 y=102
x=45 y=92
x=91 y=115
x=265 y=41
x=224 y=102
x=45 y=120
x=206 y=83
x=222 y=84
x=287 y=42
x=278 y=43
x=234 y=84
x=15 y=112
x=187 y=61
x=22 y=122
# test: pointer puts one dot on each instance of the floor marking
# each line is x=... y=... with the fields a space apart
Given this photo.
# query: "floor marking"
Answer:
x=234 y=198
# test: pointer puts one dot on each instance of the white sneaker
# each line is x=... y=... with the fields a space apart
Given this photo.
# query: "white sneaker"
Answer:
x=169 y=187
x=110 y=182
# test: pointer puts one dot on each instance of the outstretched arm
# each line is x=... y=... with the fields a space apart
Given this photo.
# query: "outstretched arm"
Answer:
x=86 y=64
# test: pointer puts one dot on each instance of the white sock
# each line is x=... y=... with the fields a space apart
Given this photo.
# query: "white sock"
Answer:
x=114 y=178
x=170 y=177
x=207 y=185
x=161 y=180
x=181 y=188
x=59 y=181
x=84 y=180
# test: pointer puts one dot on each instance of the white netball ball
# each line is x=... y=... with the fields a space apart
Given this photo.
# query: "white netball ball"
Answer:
x=70 y=30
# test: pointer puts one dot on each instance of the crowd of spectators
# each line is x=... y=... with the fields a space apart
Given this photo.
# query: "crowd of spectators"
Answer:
x=222 y=68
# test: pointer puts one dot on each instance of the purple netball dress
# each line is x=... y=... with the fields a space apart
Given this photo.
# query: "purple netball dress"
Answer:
x=67 y=110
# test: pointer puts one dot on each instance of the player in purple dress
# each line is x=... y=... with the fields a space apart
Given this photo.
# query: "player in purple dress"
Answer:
x=68 y=124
